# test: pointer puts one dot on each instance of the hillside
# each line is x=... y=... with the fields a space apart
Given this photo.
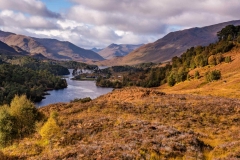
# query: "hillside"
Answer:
x=64 y=49
x=7 y=50
x=227 y=86
x=173 y=44
x=137 y=123
x=50 y=48
x=117 y=50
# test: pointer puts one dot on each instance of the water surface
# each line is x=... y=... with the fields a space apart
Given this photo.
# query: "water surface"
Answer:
x=75 y=89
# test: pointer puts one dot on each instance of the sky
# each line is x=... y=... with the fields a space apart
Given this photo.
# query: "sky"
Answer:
x=99 y=23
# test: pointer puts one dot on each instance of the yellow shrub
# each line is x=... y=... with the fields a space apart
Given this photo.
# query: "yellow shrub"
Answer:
x=50 y=129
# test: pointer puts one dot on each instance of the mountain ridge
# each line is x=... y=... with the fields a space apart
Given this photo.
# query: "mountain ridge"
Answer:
x=8 y=50
x=172 y=44
x=96 y=49
x=117 y=50
x=50 y=48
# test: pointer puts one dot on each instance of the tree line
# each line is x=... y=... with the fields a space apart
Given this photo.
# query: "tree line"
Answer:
x=18 y=80
x=37 y=65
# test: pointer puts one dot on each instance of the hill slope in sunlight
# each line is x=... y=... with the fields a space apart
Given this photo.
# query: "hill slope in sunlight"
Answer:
x=137 y=123
x=227 y=86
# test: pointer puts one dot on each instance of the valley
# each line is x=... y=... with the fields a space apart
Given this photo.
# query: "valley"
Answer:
x=185 y=105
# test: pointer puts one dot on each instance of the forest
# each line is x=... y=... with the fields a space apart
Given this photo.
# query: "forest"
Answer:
x=29 y=76
x=76 y=65
x=36 y=64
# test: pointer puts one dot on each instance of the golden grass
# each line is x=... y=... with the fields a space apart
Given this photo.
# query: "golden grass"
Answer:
x=228 y=86
x=137 y=123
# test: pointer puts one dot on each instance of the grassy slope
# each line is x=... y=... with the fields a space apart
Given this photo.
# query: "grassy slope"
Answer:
x=228 y=86
x=140 y=123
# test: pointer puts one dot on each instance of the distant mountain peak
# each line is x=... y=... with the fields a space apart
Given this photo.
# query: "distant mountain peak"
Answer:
x=175 y=43
x=96 y=49
x=117 y=50
x=171 y=45
x=113 y=45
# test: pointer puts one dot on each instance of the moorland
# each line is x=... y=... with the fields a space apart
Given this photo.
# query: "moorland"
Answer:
x=188 y=108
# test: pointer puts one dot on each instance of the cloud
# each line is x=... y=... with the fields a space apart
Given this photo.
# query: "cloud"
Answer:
x=152 y=16
x=33 y=7
x=163 y=8
x=87 y=36
x=1 y=22
x=141 y=21
x=142 y=8
x=115 y=20
x=95 y=23
x=11 y=18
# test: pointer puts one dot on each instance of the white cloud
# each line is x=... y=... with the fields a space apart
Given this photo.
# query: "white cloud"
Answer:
x=162 y=9
x=11 y=18
x=116 y=20
x=33 y=7
x=95 y=23
x=69 y=24
x=119 y=32
x=146 y=21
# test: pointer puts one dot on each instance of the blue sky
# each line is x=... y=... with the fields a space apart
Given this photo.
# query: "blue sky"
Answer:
x=98 y=23
x=58 y=5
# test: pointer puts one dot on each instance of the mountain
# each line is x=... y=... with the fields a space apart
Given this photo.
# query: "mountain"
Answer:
x=117 y=50
x=173 y=44
x=50 y=48
x=39 y=56
x=7 y=50
x=96 y=49
x=20 y=50
x=65 y=49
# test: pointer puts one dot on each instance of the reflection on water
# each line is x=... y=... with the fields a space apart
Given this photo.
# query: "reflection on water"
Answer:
x=75 y=89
